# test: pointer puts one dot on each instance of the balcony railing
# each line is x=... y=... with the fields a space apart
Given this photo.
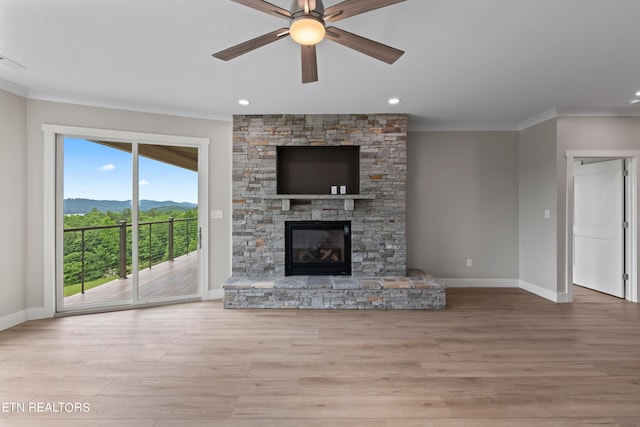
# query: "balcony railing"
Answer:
x=159 y=241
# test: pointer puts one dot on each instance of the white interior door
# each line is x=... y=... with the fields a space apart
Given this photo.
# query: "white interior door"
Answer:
x=598 y=231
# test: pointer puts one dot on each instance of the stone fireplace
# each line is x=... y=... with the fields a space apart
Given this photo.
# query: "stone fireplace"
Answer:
x=376 y=212
x=319 y=206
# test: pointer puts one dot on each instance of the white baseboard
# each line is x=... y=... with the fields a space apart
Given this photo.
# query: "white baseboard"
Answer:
x=560 y=297
x=14 y=319
x=216 y=294
x=480 y=283
x=39 y=313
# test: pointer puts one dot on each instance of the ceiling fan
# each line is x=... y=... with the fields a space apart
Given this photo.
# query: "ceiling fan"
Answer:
x=308 y=28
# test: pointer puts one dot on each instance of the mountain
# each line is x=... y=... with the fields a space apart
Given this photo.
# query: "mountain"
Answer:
x=83 y=206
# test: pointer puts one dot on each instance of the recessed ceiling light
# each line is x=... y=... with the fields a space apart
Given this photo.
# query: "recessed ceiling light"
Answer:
x=638 y=93
x=244 y=102
x=634 y=101
x=394 y=101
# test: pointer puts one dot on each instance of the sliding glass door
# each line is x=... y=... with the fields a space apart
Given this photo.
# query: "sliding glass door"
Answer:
x=168 y=234
x=128 y=224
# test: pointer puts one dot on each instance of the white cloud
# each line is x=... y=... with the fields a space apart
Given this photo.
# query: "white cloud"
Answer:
x=144 y=182
x=107 y=168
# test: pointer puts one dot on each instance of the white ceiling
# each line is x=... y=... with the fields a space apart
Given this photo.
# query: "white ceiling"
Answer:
x=468 y=63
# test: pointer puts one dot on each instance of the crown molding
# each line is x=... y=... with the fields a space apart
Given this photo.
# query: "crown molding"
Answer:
x=610 y=112
x=537 y=119
x=463 y=127
x=524 y=124
x=13 y=88
x=152 y=110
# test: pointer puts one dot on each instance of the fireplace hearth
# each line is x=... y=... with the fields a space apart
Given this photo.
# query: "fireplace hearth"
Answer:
x=317 y=248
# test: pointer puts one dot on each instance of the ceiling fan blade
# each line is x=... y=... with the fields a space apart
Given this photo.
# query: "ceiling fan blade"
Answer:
x=374 y=49
x=309 y=64
x=265 y=7
x=248 y=46
x=350 y=8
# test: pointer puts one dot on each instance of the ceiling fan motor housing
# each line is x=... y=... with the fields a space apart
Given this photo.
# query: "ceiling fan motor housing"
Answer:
x=298 y=7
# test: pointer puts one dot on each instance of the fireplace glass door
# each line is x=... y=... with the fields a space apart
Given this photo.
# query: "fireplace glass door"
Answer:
x=318 y=248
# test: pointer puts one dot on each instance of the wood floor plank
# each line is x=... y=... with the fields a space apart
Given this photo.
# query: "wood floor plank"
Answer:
x=67 y=422
x=523 y=406
x=628 y=422
x=163 y=369
x=127 y=386
x=323 y=407
x=273 y=423
x=471 y=386
x=483 y=368
x=506 y=422
x=89 y=386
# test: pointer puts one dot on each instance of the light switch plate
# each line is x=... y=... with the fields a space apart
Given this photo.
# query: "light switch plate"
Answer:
x=217 y=214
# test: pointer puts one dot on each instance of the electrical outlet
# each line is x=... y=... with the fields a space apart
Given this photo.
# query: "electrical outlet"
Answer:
x=469 y=262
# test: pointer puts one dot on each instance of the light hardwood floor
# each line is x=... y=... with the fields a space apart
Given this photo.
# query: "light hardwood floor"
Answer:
x=495 y=357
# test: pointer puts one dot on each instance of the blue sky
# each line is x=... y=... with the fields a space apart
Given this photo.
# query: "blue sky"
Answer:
x=94 y=171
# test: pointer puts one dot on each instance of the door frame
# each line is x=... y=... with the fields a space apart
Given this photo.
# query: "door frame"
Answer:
x=610 y=173
x=50 y=263
x=631 y=209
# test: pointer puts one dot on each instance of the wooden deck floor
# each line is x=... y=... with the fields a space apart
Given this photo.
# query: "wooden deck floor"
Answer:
x=494 y=358
x=171 y=278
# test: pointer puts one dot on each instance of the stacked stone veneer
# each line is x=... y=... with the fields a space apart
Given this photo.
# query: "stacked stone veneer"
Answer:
x=378 y=225
x=417 y=291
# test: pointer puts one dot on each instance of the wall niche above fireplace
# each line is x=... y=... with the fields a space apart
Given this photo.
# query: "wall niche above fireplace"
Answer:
x=315 y=170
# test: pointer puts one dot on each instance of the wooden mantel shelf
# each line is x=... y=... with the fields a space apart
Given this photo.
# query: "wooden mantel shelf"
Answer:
x=349 y=199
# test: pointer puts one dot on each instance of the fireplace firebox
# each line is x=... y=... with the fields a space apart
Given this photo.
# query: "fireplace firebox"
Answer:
x=317 y=248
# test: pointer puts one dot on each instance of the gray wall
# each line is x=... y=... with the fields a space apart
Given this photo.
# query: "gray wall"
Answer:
x=537 y=193
x=39 y=112
x=462 y=202
x=13 y=186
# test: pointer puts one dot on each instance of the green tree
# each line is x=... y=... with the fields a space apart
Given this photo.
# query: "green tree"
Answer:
x=102 y=246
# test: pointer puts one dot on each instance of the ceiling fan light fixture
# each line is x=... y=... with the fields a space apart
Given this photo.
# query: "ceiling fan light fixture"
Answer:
x=307 y=30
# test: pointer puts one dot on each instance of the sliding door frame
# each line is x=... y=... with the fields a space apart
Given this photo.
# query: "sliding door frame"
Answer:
x=52 y=208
